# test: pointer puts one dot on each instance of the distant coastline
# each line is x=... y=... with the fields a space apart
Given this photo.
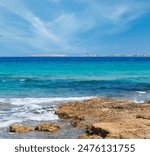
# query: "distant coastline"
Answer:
x=57 y=55
x=91 y=55
x=63 y=55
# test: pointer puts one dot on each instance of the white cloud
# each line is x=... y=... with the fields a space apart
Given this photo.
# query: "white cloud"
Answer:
x=63 y=32
x=115 y=16
x=116 y=11
x=44 y=36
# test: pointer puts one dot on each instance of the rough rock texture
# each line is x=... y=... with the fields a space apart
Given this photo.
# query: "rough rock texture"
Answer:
x=50 y=127
x=127 y=129
x=143 y=115
x=89 y=137
x=21 y=129
x=109 y=118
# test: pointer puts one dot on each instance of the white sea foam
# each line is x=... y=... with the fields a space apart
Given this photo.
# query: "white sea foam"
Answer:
x=141 y=92
x=25 y=113
x=37 y=109
x=23 y=116
x=9 y=122
x=138 y=101
x=26 y=101
x=22 y=80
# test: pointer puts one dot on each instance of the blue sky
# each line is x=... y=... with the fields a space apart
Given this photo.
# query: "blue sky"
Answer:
x=74 y=27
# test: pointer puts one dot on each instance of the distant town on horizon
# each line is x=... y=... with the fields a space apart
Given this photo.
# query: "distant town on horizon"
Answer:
x=91 y=55
x=86 y=55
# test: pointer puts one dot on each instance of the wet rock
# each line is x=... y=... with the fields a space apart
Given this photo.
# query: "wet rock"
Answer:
x=96 y=129
x=49 y=127
x=89 y=137
x=108 y=118
x=77 y=123
x=21 y=129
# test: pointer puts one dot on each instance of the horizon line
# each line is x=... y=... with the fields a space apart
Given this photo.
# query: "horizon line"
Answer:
x=115 y=55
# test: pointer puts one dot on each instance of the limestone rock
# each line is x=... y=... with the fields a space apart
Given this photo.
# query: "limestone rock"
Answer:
x=21 y=129
x=50 y=127
x=143 y=115
x=108 y=118
x=129 y=129
x=89 y=137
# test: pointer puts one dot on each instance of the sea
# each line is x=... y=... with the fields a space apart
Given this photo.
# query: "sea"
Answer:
x=31 y=87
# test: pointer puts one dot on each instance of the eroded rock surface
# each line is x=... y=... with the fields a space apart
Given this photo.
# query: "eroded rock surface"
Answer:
x=108 y=118
x=50 y=127
x=89 y=137
x=99 y=118
x=21 y=129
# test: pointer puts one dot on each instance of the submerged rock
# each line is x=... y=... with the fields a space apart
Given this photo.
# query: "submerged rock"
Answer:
x=50 y=127
x=21 y=129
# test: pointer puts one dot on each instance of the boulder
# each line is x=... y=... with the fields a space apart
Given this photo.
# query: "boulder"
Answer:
x=21 y=129
x=50 y=127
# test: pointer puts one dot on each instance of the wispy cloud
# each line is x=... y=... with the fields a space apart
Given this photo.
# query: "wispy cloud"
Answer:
x=116 y=13
x=38 y=26
x=69 y=29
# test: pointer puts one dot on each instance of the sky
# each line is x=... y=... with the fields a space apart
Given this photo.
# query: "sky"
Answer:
x=74 y=27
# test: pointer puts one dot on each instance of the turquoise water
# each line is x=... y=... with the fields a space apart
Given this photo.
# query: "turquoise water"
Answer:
x=37 y=77
x=34 y=84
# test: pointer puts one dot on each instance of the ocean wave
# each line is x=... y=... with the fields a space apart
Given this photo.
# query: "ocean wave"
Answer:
x=22 y=80
x=137 y=101
x=18 y=117
x=141 y=92
x=27 y=109
x=26 y=101
x=74 y=77
x=8 y=122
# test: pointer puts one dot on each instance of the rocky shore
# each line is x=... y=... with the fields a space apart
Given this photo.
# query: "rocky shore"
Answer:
x=107 y=118
x=100 y=118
